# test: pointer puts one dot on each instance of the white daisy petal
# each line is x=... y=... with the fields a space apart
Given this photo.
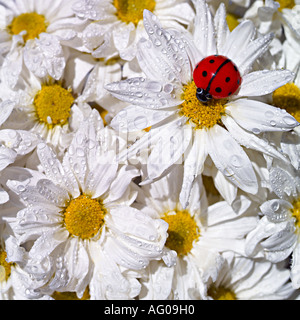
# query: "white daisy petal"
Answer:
x=135 y=118
x=263 y=82
x=121 y=182
x=54 y=169
x=143 y=92
x=263 y=230
x=99 y=179
x=237 y=41
x=78 y=266
x=7 y=156
x=245 y=59
x=276 y=210
x=221 y=26
x=147 y=140
x=235 y=165
x=45 y=56
x=6 y=108
x=193 y=166
x=283 y=183
x=290 y=145
x=169 y=148
x=171 y=60
x=250 y=140
x=46 y=243
x=257 y=117
x=12 y=67
x=204 y=29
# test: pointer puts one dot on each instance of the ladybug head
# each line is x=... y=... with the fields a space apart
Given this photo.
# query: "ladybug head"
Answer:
x=203 y=95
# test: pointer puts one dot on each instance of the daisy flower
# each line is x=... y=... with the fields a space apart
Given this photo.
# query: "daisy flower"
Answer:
x=183 y=126
x=12 y=277
x=77 y=223
x=36 y=32
x=241 y=278
x=277 y=233
x=198 y=234
x=116 y=25
x=54 y=108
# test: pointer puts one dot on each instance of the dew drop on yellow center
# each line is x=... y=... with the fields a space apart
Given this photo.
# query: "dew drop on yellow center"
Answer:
x=221 y=293
x=33 y=23
x=53 y=104
x=288 y=97
x=182 y=231
x=132 y=10
x=84 y=217
x=202 y=115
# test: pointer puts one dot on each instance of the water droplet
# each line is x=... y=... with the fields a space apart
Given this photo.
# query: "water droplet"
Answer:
x=290 y=121
x=275 y=205
x=140 y=122
x=256 y=131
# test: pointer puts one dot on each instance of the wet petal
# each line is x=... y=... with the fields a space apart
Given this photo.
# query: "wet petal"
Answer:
x=263 y=82
x=257 y=117
x=234 y=164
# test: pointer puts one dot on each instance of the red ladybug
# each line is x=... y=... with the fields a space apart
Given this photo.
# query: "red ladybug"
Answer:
x=216 y=77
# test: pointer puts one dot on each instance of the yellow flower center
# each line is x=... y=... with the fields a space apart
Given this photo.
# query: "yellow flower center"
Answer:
x=296 y=213
x=132 y=10
x=288 y=97
x=286 y=4
x=232 y=21
x=71 y=295
x=221 y=293
x=33 y=23
x=5 y=267
x=84 y=217
x=202 y=115
x=53 y=104
x=182 y=231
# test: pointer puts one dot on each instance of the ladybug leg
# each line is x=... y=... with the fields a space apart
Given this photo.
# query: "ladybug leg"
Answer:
x=202 y=95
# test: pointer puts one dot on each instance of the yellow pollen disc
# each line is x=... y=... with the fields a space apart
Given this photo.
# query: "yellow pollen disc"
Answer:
x=232 y=21
x=286 y=4
x=132 y=10
x=202 y=115
x=53 y=104
x=71 y=295
x=33 y=23
x=182 y=231
x=5 y=267
x=221 y=293
x=288 y=97
x=296 y=213
x=84 y=217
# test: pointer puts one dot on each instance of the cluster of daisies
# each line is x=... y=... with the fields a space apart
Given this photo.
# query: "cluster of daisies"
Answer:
x=118 y=181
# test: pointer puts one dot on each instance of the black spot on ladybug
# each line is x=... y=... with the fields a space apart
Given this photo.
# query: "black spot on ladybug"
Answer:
x=235 y=68
x=204 y=73
x=230 y=93
x=218 y=89
x=227 y=79
x=211 y=61
x=238 y=82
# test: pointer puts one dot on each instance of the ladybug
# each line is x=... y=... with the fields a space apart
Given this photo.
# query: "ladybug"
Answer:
x=216 y=77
